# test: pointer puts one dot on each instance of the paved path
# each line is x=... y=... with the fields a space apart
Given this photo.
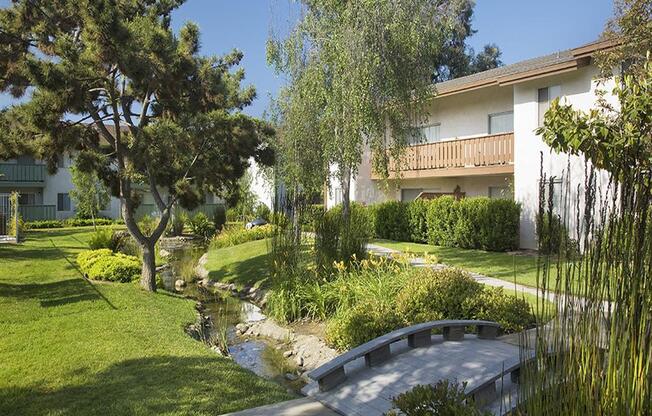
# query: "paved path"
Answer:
x=297 y=407
x=369 y=391
x=491 y=281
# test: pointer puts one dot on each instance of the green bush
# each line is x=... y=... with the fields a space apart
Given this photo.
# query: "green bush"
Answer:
x=219 y=218
x=103 y=264
x=334 y=241
x=444 y=398
x=235 y=235
x=310 y=215
x=481 y=223
x=43 y=224
x=554 y=237
x=177 y=223
x=147 y=224
x=417 y=212
x=262 y=211
x=101 y=238
x=437 y=294
x=391 y=221
x=201 y=226
x=512 y=313
x=442 y=217
x=86 y=222
x=363 y=322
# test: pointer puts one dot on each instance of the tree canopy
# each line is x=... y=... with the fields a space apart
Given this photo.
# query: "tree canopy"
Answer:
x=110 y=80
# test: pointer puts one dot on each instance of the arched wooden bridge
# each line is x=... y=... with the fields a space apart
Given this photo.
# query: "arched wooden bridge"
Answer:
x=364 y=380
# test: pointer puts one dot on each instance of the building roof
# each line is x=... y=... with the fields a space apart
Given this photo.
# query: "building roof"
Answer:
x=558 y=62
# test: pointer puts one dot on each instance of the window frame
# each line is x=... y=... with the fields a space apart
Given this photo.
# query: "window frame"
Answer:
x=425 y=126
x=499 y=114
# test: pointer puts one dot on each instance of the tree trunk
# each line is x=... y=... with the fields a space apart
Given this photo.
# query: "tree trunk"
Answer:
x=148 y=275
x=346 y=197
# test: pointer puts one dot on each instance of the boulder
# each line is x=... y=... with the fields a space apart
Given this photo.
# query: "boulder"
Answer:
x=287 y=354
x=179 y=284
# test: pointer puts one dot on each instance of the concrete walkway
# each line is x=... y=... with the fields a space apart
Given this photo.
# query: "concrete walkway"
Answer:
x=297 y=407
x=490 y=281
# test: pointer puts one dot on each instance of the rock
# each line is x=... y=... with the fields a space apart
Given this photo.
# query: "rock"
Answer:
x=238 y=332
x=287 y=354
x=299 y=361
x=242 y=327
x=291 y=377
x=232 y=287
x=252 y=290
x=179 y=284
x=163 y=253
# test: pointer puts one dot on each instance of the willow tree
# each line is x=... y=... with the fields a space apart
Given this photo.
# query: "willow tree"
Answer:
x=359 y=74
x=109 y=79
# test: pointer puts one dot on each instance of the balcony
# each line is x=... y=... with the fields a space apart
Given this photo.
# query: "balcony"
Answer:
x=486 y=155
x=21 y=174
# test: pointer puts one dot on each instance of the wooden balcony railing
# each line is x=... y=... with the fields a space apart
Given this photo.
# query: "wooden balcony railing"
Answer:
x=477 y=155
x=21 y=173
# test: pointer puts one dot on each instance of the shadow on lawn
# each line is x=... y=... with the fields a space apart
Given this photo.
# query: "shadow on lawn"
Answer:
x=157 y=385
x=53 y=293
x=245 y=273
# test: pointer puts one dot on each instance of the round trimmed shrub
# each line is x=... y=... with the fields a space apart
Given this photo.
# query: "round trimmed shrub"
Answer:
x=103 y=264
x=364 y=322
x=512 y=313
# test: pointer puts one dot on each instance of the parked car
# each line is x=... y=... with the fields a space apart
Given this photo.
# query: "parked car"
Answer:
x=255 y=223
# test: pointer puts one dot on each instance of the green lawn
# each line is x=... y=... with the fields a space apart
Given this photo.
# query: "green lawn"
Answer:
x=243 y=264
x=521 y=269
x=71 y=347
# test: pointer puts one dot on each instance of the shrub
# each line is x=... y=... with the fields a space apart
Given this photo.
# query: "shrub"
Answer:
x=86 y=222
x=391 y=220
x=44 y=224
x=147 y=224
x=512 y=313
x=442 y=216
x=444 y=398
x=417 y=212
x=219 y=218
x=483 y=223
x=310 y=215
x=554 y=237
x=334 y=241
x=363 y=322
x=177 y=224
x=262 y=211
x=437 y=294
x=201 y=226
x=103 y=264
x=235 y=235
x=102 y=238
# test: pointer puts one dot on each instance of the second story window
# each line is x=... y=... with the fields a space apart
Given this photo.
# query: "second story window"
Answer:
x=427 y=134
x=501 y=122
x=544 y=97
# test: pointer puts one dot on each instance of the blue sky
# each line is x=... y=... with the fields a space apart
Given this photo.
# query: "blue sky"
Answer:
x=522 y=29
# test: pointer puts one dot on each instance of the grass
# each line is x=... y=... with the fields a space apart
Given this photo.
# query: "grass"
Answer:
x=69 y=346
x=521 y=269
x=244 y=264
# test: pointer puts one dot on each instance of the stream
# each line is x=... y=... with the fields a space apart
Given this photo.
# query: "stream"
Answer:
x=262 y=356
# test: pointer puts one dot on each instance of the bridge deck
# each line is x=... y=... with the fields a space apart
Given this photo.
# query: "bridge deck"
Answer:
x=369 y=391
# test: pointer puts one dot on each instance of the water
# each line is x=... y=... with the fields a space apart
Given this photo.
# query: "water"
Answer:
x=263 y=357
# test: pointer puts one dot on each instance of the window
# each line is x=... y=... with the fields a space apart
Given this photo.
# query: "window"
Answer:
x=26 y=199
x=501 y=122
x=408 y=195
x=544 y=98
x=499 y=192
x=63 y=202
x=426 y=134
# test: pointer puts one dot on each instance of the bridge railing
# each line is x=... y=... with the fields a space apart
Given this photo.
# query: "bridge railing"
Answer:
x=378 y=350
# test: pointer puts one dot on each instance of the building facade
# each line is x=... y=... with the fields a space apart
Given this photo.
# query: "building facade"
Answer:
x=479 y=138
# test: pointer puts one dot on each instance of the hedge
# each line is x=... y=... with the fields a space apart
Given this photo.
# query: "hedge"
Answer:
x=71 y=222
x=232 y=236
x=480 y=223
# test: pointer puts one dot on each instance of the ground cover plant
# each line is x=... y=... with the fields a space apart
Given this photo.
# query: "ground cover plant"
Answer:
x=70 y=346
x=234 y=235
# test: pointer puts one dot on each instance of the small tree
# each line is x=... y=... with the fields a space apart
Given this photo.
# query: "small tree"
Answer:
x=149 y=110
x=90 y=194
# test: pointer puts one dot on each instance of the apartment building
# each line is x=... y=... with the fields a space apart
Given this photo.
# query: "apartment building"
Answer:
x=480 y=140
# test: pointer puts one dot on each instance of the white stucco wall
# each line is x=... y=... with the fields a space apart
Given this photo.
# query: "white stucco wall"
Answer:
x=261 y=186
x=577 y=88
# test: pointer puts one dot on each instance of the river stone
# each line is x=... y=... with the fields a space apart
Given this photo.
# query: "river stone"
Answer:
x=179 y=284
x=287 y=354
x=291 y=377
x=299 y=361
x=242 y=327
